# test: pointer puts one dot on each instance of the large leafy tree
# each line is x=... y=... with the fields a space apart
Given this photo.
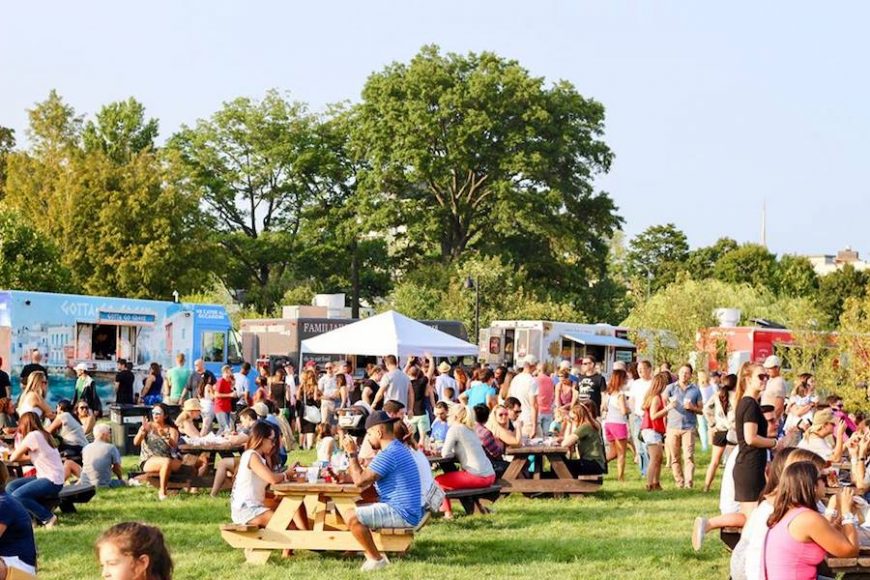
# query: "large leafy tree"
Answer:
x=28 y=260
x=796 y=276
x=471 y=153
x=120 y=131
x=256 y=166
x=837 y=287
x=701 y=261
x=7 y=144
x=751 y=264
x=655 y=257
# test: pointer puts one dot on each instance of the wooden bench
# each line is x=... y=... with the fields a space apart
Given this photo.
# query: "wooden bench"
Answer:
x=470 y=498
x=70 y=495
x=182 y=479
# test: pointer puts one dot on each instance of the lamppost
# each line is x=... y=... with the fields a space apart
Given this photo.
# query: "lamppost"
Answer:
x=471 y=284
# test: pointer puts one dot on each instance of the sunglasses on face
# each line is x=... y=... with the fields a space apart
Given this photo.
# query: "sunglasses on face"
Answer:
x=763 y=377
x=156 y=414
x=502 y=415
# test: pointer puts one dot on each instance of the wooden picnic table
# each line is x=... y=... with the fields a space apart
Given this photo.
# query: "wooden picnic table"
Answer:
x=447 y=463
x=213 y=451
x=326 y=507
x=851 y=568
x=557 y=479
x=16 y=468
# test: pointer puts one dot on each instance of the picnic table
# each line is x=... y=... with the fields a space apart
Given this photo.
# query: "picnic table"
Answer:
x=213 y=450
x=858 y=567
x=326 y=507
x=16 y=468
x=556 y=480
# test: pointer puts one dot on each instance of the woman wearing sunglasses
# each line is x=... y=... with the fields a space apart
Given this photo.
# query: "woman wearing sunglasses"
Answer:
x=752 y=444
x=87 y=419
x=158 y=439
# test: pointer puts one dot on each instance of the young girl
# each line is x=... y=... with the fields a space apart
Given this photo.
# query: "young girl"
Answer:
x=134 y=551
x=802 y=401
x=585 y=436
x=615 y=411
x=325 y=442
x=653 y=428
x=40 y=447
x=247 y=503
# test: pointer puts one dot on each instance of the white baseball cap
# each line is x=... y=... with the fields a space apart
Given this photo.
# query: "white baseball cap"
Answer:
x=530 y=360
x=772 y=361
x=81 y=367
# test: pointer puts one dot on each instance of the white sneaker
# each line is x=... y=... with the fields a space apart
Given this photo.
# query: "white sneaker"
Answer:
x=371 y=565
x=699 y=530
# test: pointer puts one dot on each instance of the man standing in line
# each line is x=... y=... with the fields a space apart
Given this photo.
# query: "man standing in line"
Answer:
x=444 y=380
x=176 y=381
x=775 y=392
x=591 y=385
x=329 y=394
x=124 y=380
x=636 y=394
x=244 y=383
x=395 y=385
x=525 y=389
x=684 y=401
x=33 y=365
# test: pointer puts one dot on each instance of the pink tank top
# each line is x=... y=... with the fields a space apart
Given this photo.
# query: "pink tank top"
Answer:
x=788 y=559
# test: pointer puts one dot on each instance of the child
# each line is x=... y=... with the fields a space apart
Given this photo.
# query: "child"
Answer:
x=558 y=421
x=439 y=425
x=325 y=442
x=134 y=550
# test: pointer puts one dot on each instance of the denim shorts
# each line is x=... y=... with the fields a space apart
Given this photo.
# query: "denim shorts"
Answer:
x=376 y=516
x=651 y=437
x=247 y=511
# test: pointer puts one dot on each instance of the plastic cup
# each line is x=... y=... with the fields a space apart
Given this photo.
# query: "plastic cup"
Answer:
x=313 y=473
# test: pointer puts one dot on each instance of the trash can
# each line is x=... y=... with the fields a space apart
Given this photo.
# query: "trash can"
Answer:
x=125 y=422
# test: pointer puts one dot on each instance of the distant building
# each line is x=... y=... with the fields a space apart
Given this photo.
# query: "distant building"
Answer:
x=825 y=263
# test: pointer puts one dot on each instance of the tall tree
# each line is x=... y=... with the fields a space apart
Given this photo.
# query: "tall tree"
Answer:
x=655 y=257
x=701 y=262
x=470 y=153
x=751 y=264
x=120 y=131
x=796 y=277
x=7 y=144
x=837 y=287
x=28 y=260
x=256 y=166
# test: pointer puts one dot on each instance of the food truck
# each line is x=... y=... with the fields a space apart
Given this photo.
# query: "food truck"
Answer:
x=508 y=341
x=98 y=331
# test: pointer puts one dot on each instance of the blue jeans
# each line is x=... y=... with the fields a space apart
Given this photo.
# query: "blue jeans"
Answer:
x=544 y=422
x=703 y=433
x=225 y=421
x=639 y=445
x=30 y=490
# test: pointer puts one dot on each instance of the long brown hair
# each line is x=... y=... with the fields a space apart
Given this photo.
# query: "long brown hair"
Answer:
x=137 y=540
x=260 y=432
x=29 y=423
x=797 y=488
x=585 y=416
x=617 y=380
x=308 y=383
x=729 y=383
x=659 y=383
x=461 y=379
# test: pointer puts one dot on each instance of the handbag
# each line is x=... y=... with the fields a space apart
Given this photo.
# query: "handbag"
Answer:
x=311 y=413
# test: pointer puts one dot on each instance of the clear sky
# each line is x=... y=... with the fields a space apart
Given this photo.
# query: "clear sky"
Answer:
x=710 y=109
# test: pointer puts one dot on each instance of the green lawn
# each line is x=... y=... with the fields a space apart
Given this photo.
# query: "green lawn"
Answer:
x=620 y=532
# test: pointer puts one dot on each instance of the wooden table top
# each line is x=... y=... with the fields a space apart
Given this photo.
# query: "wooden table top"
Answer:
x=441 y=459
x=536 y=449
x=320 y=487
x=188 y=448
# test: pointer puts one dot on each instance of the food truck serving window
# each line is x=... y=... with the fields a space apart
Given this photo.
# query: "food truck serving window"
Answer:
x=213 y=346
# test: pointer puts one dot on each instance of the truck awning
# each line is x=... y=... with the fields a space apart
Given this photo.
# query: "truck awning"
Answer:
x=599 y=340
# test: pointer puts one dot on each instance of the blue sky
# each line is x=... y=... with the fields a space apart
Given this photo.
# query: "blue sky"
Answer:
x=711 y=110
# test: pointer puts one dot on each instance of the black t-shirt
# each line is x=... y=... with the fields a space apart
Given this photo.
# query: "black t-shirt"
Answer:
x=278 y=393
x=591 y=387
x=17 y=540
x=125 y=380
x=5 y=384
x=29 y=368
x=749 y=411
x=373 y=385
x=419 y=385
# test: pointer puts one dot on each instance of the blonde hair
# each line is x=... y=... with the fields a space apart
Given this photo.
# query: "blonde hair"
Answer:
x=36 y=382
x=492 y=422
x=460 y=414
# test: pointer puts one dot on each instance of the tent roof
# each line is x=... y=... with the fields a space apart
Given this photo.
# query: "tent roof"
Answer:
x=599 y=340
x=388 y=333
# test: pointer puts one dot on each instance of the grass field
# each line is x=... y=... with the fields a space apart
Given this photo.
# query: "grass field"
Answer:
x=621 y=532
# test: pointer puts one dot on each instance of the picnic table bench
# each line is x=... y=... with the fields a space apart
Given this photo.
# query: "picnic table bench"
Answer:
x=557 y=480
x=469 y=498
x=70 y=495
x=326 y=507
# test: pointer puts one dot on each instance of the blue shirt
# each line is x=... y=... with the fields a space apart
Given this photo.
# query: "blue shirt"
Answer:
x=478 y=393
x=398 y=484
x=17 y=540
x=439 y=430
x=679 y=417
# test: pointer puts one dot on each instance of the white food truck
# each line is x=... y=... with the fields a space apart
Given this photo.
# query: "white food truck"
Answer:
x=508 y=341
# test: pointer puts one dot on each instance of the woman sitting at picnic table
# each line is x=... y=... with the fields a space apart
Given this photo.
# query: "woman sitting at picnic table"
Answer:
x=190 y=412
x=8 y=423
x=462 y=442
x=72 y=434
x=585 y=437
x=499 y=424
x=32 y=398
x=493 y=447
x=799 y=536
x=158 y=439
x=87 y=419
x=39 y=447
x=226 y=467
x=248 y=499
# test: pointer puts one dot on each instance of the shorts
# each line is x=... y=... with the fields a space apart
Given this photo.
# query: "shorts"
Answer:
x=14 y=562
x=376 y=516
x=652 y=437
x=615 y=431
x=720 y=438
x=244 y=513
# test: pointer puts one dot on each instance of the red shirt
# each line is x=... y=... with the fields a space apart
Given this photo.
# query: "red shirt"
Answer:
x=223 y=404
x=546 y=394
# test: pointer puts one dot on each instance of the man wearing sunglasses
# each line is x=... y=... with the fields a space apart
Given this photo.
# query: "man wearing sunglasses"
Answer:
x=591 y=385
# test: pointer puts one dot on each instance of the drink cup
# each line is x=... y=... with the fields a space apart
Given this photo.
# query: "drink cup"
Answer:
x=313 y=473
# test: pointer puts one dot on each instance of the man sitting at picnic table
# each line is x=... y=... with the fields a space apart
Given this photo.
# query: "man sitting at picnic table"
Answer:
x=397 y=481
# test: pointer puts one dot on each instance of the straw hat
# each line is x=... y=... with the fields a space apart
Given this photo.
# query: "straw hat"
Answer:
x=444 y=367
x=192 y=405
x=821 y=418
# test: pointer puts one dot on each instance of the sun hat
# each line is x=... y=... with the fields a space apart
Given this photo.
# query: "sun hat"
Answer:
x=192 y=405
x=772 y=361
x=821 y=418
x=444 y=367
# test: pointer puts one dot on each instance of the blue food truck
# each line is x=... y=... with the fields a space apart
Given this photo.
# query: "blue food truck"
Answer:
x=98 y=331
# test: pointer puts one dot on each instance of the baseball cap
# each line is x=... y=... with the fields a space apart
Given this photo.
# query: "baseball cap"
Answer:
x=81 y=367
x=261 y=409
x=379 y=418
x=772 y=361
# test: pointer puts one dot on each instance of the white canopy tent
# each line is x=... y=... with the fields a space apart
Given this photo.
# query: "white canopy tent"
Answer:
x=388 y=333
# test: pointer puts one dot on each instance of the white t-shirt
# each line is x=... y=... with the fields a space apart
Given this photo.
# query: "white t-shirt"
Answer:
x=817 y=445
x=774 y=389
x=525 y=388
x=45 y=458
x=444 y=381
x=71 y=431
x=249 y=489
x=637 y=391
x=327 y=386
x=425 y=471
x=746 y=560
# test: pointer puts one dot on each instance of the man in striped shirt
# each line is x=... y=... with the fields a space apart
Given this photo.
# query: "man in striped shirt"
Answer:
x=394 y=474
